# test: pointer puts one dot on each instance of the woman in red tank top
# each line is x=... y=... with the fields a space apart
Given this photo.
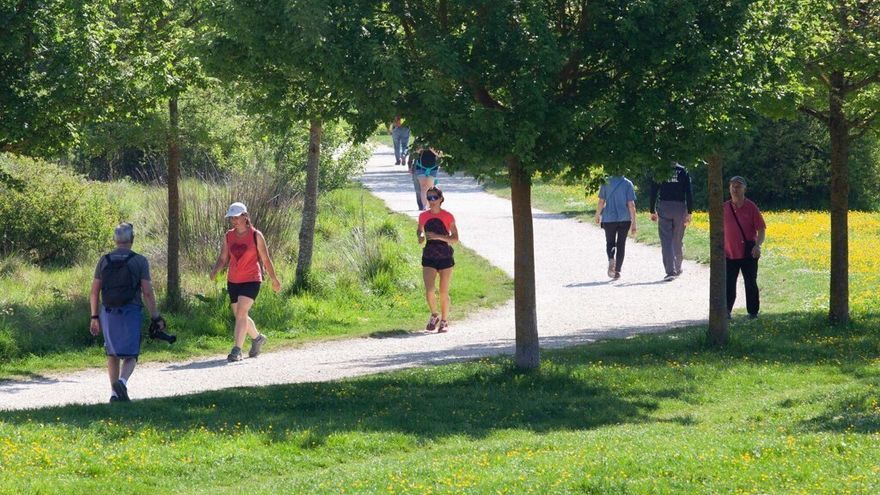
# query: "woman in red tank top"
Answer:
x=243 y=249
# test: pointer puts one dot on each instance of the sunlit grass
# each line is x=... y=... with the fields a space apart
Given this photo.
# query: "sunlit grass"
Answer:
x=791 y=406
x=44 y=311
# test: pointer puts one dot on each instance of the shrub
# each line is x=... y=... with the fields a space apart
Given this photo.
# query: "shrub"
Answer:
x=340 y=160
x=8 y=346
x=55 y=216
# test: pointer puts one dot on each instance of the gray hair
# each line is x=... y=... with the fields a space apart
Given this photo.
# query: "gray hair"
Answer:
x=124 y=233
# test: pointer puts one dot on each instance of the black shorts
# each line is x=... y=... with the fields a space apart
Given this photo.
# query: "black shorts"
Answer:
x=246 y=289
x=439 y=264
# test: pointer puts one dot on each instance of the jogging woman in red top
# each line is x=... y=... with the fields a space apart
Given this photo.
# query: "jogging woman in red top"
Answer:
x=437 y=230
x=244 y=247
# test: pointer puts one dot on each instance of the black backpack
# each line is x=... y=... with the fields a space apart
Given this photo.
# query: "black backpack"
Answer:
x=118 y=283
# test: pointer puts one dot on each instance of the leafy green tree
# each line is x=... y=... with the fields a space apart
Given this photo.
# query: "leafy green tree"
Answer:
x=297 y=62
x=825 y=55
x=540 y=86
x=696 y=110
x=58 y=69
x=161 y=40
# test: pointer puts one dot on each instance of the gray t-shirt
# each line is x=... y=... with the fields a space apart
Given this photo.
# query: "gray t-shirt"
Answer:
x=617 y=193
x=138 y=265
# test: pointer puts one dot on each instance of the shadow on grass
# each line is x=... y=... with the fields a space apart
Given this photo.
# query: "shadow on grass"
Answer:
x=796 y=338
x=585 y=387
x=430 y=403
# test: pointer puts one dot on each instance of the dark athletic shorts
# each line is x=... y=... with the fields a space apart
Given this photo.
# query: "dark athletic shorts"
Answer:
x=440 y=264
x=246 y=289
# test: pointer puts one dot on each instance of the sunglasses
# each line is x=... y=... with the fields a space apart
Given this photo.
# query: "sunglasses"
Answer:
x=433 y=198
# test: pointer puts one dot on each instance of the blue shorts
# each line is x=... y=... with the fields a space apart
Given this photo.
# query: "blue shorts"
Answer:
x=426 y=172
x=122 y=330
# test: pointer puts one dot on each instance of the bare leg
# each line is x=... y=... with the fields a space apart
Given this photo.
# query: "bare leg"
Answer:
x=113 y=369
x=252 y=329
x=128 y=365
x=243 y=323
x=445 y=279
x=426 y=183
x=430 y=275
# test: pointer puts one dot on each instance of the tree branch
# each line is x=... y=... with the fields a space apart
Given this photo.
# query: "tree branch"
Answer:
x=874 y=78
x=864 y=122
x=817 y=72
x=570 y=69
x=822 y=116
x=481 y=95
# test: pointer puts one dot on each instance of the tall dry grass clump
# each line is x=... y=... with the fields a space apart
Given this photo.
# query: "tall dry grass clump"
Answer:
x=272 y=206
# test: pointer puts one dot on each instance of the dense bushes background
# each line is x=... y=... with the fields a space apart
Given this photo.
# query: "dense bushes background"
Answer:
x=50 y=214
x=218 y=138
x=787 y=166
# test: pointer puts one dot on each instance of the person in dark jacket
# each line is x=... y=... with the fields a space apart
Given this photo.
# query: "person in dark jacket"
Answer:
x=672 y=203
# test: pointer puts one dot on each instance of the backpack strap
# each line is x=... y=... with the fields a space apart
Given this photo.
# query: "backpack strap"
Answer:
x=257 y=247
x=741 y=231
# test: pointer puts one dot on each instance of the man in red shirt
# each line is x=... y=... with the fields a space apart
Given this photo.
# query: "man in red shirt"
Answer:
x=744 y=229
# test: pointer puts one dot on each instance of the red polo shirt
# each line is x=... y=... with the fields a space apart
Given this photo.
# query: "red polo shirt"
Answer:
x=750 y=218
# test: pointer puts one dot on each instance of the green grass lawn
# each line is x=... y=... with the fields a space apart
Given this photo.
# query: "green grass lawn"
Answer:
x=791 y=406
x=366 y=279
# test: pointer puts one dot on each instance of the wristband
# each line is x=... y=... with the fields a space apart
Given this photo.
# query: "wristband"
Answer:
x=95 y=317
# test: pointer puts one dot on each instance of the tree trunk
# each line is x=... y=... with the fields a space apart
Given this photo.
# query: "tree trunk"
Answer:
x=717 y=264
x=310 y=206
x=839 y=129
x=527 y=354
x=173 y=289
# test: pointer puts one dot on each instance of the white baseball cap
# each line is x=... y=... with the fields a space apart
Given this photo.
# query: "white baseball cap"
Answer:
x=236 y=209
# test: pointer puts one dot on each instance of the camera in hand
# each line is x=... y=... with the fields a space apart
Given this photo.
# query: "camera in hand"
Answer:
x=157 y=331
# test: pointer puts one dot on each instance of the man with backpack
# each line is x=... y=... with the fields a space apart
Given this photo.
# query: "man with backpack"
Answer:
x=120 y=288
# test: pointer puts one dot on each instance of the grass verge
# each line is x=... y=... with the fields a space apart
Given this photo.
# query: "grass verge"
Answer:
x=791 y=406
x=366 y=278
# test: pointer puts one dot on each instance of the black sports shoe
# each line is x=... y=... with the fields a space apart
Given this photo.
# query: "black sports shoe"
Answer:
x=121 y=391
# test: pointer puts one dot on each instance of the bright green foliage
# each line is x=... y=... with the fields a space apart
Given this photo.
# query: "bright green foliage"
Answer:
x=554 y=84
x=55 y=217
x=802 y=42
x=58 y=69
x=297 y=61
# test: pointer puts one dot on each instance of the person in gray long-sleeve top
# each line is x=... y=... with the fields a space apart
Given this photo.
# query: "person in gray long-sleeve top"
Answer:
x=672 y=203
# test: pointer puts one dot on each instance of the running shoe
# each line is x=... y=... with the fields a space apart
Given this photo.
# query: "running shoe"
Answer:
x=443 y=327
x=121 y=391
x=234 y=355
x=257 y=345
x=432 y=323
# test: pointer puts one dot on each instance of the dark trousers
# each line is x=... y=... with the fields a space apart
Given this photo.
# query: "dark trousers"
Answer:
x=749 y=269
x=615 y=240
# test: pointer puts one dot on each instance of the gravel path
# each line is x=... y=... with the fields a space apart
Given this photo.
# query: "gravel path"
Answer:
x=576 y=304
